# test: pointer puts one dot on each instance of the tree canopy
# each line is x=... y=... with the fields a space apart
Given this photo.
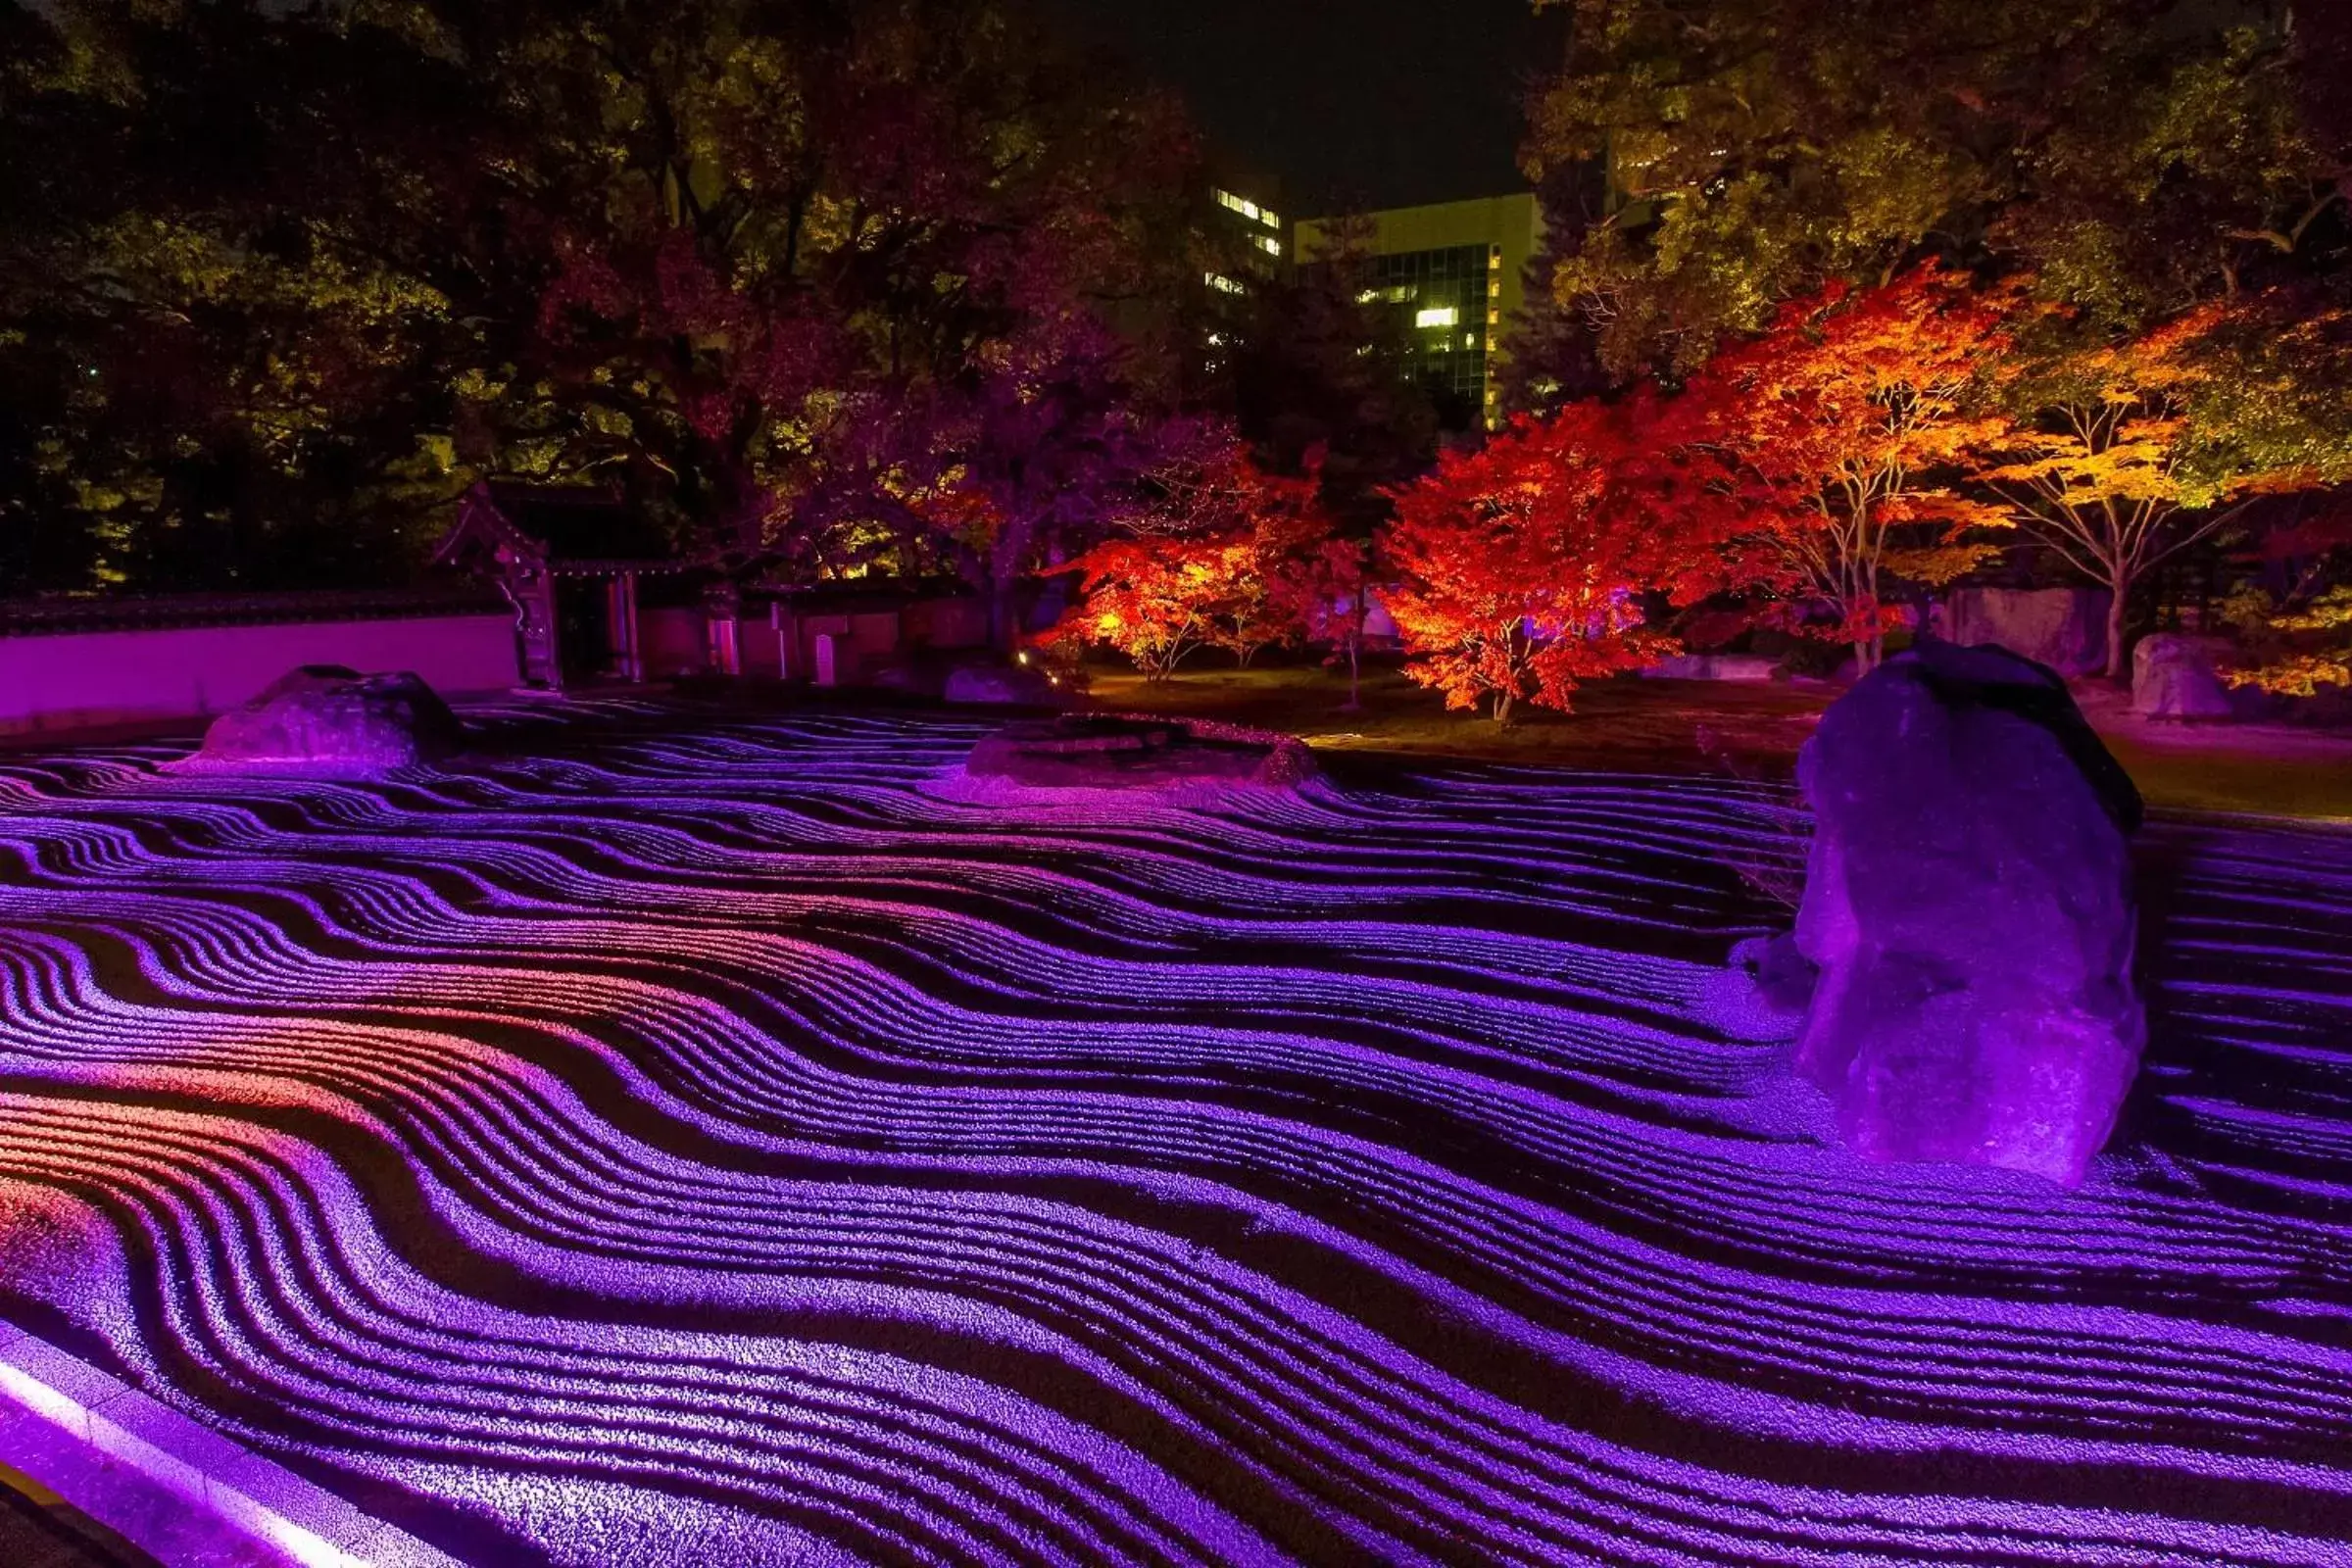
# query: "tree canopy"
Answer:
x=793 y=276
x=2135 y=157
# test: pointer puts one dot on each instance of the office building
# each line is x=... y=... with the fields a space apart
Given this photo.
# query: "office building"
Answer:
x=1242 y=245
x=1453 y=273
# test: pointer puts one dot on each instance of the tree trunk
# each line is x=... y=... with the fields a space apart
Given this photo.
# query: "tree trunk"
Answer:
x=1354 y=704
x=1870 y=651
x=1004 y=583
x=1502 y=709
x=2117 y=592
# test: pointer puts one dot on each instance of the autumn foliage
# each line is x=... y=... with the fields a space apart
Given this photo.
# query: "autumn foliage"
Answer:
x=1810 y=471
x=1228 y=555
x=1530 y=566
x=1159 y=600
x=2139 y=446
x=1847 y=436
x=2298 y=639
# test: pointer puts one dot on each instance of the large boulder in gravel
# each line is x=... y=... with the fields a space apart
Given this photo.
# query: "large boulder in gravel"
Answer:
x=2173 y=677
x=323 y=719
x=1002 y=686
x=1114 y=752
x=1968 y=903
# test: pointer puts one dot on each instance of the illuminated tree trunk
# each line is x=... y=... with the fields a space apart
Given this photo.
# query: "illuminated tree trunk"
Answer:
x=2119 y=588
x=1860 y=591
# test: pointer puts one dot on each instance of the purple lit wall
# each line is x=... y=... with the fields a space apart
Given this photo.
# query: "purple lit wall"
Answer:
x=716 y=1147
x=68 y=679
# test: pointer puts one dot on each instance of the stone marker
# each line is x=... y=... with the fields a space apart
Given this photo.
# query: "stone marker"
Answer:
x=2173 y=677
x=2065 y=628
x=1002 y=686
x=1747 y=668
x=1968 y=903
x=327 y=720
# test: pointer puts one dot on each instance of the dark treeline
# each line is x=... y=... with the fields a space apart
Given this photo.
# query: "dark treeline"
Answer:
x=884 y=283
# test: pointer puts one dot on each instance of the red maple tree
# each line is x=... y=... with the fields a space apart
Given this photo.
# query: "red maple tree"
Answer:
x=1190 y=567
x=1227 y=553
x=1317 y=575
x=1844 y=437
x=1158 y=599
x=1532 y=564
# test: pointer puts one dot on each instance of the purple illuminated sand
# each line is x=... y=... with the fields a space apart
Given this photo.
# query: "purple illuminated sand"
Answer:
x=1117 y=751
x=678 y=1140
x=1969 y=904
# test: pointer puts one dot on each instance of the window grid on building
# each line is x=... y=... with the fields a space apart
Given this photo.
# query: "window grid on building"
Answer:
x=1443 y=287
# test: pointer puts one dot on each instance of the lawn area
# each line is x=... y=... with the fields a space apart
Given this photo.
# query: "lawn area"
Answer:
x=1675 y=727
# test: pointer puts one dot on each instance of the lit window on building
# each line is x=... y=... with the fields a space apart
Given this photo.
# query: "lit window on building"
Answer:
x=1268 y=218
x=1446 y=291
x=1272 y=247
x=1221 y=283
x=1494 y=260
x=1495 y=291
x=1244 y=205
x=1493 y=318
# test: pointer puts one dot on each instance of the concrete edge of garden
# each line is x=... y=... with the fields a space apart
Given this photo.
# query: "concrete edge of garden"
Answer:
x=247 y=1493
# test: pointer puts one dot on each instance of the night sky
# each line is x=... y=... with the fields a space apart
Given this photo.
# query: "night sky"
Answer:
x=1355 y=104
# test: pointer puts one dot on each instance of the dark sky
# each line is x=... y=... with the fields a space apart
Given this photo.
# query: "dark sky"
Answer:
x=1353 y=102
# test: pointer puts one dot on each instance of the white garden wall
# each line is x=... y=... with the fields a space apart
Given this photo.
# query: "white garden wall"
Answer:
x=70 y=680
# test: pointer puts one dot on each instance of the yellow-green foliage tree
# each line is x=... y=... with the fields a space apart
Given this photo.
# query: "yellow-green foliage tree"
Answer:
x=277 y=280
x=2303 y=673
x=2301 y=638
x=2137 y=447
x=2139 y=157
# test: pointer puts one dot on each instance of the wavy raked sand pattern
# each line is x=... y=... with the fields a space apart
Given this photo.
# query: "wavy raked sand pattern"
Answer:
x=692 y=1139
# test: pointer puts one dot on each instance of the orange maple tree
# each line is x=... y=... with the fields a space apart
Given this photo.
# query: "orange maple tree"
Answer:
x=1843 y=436
x=1530 y=566
x=1234 y=556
